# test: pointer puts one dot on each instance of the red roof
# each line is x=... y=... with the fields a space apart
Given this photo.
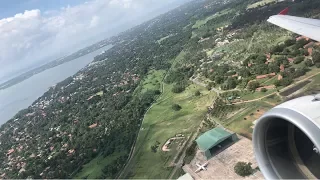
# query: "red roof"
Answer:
x=93 y=125
x=281 y=67
x=10 y=151
x=308 y=45
x=266 y=87
x=290 y=60
x=310 y=50
x=265 y=76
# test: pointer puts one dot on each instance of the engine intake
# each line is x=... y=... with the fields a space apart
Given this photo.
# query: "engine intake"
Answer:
x=287 y=138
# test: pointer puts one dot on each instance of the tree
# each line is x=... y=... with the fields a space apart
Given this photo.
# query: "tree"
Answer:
x=308 y=63
x=244 y=72
x=273 y=68
x=243 y=169
x=318 y=65
x=286 y=81
x=301 y=43
x=289 y=42
x=316 y=56
x=197 y=93
x=253 y=85
x=264 y=90
x=298 y=59
x=218 y=79
x=176 y=107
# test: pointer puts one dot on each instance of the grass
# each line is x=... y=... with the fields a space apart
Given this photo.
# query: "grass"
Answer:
x=153 y=80
x=256 y=94
x=202 y=22
x=273 y=99
x=164 y=38
x=93 y=169
x=162 y=123
x=311 y=88
x=241 y=122
x=260 y=3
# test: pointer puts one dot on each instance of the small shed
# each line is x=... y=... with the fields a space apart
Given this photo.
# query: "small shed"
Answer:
x=214 y=140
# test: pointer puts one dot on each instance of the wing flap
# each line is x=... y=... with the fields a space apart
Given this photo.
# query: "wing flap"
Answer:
x=303 y=26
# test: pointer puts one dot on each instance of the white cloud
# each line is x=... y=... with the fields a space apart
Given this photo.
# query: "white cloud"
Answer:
x=29 y=37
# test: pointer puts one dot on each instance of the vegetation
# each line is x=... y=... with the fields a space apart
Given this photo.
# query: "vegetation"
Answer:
x=86 y=128
x=243 y=169
x=176 y=107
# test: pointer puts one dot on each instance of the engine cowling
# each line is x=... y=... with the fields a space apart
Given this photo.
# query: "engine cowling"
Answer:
x=286 y=140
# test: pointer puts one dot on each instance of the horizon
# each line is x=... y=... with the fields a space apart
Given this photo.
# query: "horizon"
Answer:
x=37 y=36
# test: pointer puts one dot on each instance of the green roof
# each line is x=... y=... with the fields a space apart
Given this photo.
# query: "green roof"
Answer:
x=211 y=138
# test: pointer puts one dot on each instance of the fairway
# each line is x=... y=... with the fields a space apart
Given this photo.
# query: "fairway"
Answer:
x=162 y=123
x=93 y=169
x=153 y=80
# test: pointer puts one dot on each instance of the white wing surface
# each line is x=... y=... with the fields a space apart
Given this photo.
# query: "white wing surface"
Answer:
x=303 y=26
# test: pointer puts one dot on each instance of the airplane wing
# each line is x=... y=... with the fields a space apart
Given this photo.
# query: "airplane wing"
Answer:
x=303 y=26
x=198 y=170
x=205 y=164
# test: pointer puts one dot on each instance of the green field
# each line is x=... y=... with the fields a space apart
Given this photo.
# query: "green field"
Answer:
x=93 y=169
x=153 y=80
x=257 y=94
x=241 y=122
x=202 y=22
x=260 y=3
x=162 y=123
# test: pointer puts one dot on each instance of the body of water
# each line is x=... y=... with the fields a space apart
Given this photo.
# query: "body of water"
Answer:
x=23 y=94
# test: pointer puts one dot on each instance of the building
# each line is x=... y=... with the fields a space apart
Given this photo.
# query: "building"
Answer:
x=265 y=76
x=214 y=141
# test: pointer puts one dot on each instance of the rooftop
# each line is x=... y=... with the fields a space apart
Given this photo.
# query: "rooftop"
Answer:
x=212 y=138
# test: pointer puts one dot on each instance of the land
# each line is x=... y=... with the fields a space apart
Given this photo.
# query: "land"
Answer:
x=206 y=64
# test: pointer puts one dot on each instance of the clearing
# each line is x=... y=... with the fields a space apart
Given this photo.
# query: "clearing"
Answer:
x=260 y=3
x=162 y=123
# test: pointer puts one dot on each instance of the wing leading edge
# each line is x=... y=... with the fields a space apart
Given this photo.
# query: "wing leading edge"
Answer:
x=303 y=26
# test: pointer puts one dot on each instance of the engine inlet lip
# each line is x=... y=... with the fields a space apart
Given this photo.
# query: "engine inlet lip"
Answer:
x=306 y=125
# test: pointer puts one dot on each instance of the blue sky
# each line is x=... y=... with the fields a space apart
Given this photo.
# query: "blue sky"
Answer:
x=12 y=7
x=33 y=32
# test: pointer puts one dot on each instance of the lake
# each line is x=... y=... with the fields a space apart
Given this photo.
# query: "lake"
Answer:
x=23 y=94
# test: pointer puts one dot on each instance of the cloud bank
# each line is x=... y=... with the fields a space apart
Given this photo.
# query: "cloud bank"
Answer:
x=34 y=37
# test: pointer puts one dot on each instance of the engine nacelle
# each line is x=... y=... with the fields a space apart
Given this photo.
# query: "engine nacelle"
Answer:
x=286 y=140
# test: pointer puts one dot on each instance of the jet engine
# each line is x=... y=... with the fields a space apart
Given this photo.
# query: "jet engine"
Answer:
x=286 y=140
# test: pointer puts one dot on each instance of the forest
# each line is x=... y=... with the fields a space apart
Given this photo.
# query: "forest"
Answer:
x=97 y=113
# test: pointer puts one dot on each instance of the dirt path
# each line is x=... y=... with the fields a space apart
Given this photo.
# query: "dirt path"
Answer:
x=284 y=89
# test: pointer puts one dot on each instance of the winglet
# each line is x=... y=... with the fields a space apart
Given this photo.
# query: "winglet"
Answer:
x=284 y=12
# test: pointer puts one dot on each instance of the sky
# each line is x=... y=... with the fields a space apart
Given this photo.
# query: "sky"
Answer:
x=33 y=32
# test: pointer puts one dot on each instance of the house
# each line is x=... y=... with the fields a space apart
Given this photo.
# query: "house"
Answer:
x=10 y=152
x=249 y=65
x=268 y=56
x=302 y=37
x=290 y=60
x=265 y=76
x=310 y=50
x=282 y=68
x=93 y=125
x=310 y=44
x=280 y=77
x=266 y=87
x=235 y=75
